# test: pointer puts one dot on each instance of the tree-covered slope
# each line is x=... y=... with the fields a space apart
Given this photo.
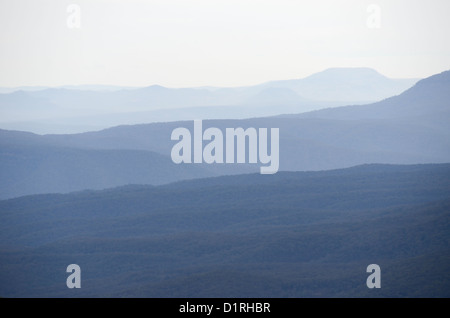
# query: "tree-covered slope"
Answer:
x=299 y=234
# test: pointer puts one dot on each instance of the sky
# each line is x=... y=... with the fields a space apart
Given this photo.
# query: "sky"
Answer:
x=216 y=43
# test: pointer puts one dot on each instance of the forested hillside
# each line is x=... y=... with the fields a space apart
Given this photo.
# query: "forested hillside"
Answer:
x=293 y=234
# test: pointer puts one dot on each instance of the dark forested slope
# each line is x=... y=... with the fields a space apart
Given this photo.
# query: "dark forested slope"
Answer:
x=286 y=235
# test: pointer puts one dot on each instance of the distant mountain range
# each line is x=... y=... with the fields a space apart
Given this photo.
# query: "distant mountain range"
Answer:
x=357 y=185
x=70 y=109
x=407 y=129
x=293 y=234
x=427 y=97
x=345 y=85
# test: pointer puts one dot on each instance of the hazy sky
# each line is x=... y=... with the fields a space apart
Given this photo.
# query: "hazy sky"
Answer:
x=219 y=43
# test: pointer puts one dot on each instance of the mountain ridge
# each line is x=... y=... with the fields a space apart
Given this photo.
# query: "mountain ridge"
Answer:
x=68 y=109
x=432 y=91
x=406 y=129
